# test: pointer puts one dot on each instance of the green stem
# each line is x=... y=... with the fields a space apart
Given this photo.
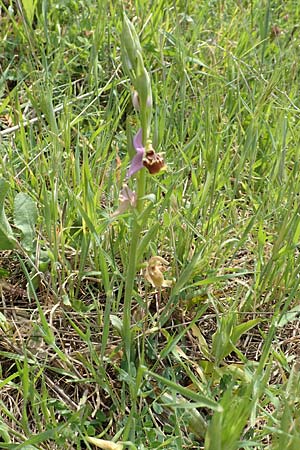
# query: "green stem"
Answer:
x=129 y=430
x=132 y=261
x=141 y=178
x=141 y=187
x=129 y=287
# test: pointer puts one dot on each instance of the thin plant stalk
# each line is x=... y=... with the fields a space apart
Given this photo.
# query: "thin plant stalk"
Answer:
x=134 y=66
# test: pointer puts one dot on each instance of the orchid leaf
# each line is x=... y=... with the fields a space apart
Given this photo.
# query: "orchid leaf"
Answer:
x=117 y=323
x=289 y=316
x=25 y=217
x=6 y=234
x=228 y=334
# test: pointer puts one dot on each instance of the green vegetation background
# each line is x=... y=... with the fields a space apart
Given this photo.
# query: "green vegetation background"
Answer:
x=217 y=358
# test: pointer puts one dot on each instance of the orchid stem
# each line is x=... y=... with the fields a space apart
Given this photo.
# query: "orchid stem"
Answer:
x=129 y=288
x=141 y=178
x=132 y=264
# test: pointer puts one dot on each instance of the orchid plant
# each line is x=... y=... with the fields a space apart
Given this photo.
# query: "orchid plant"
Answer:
x=145 y=157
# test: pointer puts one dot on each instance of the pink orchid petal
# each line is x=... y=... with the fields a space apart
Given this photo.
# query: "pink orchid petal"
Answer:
x=138 y=140
x=136 y=163
x=137 y=160
x=127 y=199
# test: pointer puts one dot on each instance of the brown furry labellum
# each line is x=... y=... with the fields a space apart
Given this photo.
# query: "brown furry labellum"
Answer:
x=153 y=161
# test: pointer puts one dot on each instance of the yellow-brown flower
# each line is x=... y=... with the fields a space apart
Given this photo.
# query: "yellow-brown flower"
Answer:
x=154 y=272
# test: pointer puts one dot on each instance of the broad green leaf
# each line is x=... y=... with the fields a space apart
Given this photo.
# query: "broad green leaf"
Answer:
x=202 y=400
x=6 y=234
x=25 y=217
x=116 y=323
x=289 y=316
x=228 y=334
x=29 y=7
x=242 y=328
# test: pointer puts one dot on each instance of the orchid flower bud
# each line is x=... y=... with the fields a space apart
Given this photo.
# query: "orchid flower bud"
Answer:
x=142 y=82
x=135 y=100
x=130 y=45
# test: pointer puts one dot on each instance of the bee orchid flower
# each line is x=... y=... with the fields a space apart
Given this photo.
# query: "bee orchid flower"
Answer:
x=154 y=272
x=145 y=157
x=127 y=200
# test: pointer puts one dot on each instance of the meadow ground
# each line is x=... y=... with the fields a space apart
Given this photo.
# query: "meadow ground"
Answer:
x=92 y=355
